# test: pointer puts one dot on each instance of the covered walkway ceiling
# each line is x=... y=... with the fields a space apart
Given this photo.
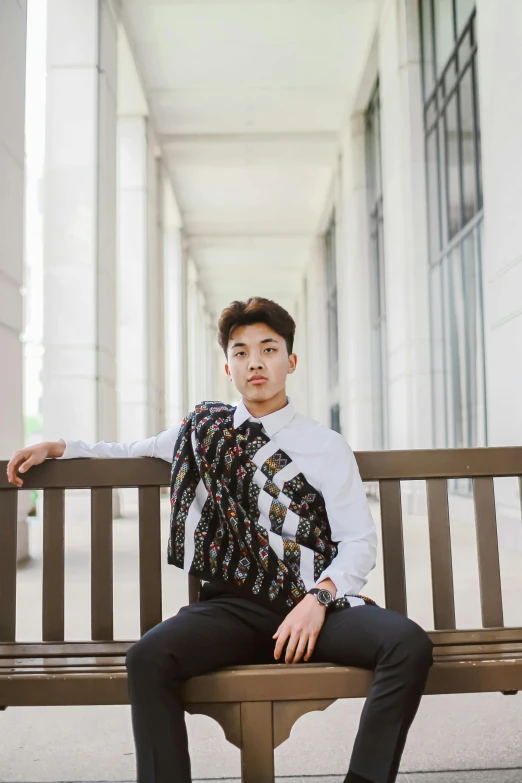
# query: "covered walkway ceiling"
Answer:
x=248 y=98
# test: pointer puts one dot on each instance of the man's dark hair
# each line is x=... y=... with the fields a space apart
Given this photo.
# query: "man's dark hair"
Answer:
x=256 y=310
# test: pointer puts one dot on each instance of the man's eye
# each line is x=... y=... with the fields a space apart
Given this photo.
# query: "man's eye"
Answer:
x=269 y=349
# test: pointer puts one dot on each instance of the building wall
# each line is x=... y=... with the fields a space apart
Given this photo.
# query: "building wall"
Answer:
x=395 y=60
x=500 y=73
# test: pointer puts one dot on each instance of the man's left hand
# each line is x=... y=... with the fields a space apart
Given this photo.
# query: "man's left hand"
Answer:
x=301 y=628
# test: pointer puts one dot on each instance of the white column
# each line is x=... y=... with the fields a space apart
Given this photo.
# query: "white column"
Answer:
x=355 y=343
x=297 y=384
x=192 y=335
x=79 y=371
x=12 y=103
x=175 y=352
x=141 y=352
x=499 y=77
x=405 y=235
x=317 y=342
x=155 y=291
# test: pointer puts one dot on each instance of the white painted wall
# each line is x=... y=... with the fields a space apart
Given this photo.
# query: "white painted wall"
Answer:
x=499 y=55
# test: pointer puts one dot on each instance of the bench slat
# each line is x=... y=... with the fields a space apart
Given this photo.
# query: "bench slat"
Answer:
x=488 y=557
x=393 y=546
x=8 y=539
x=69 y=663
x=53 y=565
x=150 y=558
x=66 y=662
x=69 y=649
x=440 y=554
x=102 y=623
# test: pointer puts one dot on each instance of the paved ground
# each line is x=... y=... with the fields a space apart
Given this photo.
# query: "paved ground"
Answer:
x=472 y=732
x=469 y=776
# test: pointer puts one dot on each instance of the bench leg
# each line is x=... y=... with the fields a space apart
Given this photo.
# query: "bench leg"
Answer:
x=257 y=742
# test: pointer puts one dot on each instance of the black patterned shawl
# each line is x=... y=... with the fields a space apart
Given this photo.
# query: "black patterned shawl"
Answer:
x=217 y=529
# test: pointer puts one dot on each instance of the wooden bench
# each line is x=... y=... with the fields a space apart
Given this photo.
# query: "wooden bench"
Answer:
x=255 y=705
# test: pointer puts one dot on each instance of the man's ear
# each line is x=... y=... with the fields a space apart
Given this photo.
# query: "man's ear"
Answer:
x=292 y=363
x=227 y=370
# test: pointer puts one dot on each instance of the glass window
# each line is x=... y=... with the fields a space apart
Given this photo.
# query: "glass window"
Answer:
x=478 y=142
x=454 y=192
x=444 y=32
x=452 y=166
x=332 y=321
x=432 y=175
x=377 y=279
x=467 y=146
x=427 y=46
x=464 y=10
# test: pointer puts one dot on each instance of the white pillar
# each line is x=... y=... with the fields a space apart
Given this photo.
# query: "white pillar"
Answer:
x=499 y=77
x=155 y=291
x=12 y=102
x=355 y=342
x=175 y=352
x=297 y=384
x=192 y=334
x=141 y=353
x=317 y=340
x=79 y=370
x=405 y=234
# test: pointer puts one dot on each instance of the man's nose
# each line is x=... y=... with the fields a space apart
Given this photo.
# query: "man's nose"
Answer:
x=255 y=363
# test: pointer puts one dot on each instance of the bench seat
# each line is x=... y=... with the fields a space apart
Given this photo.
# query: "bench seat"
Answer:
x=256 y=706
x=50 y=673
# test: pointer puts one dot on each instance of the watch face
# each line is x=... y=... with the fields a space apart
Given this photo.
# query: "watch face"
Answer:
x=324 y=597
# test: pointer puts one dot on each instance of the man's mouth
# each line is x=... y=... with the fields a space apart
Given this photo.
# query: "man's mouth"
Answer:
x=257 y=379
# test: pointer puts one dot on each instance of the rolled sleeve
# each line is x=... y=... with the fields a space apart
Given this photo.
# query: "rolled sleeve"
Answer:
x=351 y=522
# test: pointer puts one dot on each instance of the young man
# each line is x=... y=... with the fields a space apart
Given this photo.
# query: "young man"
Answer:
x=269 y=510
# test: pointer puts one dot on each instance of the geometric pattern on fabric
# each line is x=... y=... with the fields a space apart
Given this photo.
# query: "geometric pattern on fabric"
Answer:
x=269 y=540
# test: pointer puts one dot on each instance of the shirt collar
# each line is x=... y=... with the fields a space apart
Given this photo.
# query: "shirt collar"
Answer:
x=272 y=423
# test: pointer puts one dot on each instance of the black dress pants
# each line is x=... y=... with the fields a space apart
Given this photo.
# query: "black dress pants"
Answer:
x=226 y=630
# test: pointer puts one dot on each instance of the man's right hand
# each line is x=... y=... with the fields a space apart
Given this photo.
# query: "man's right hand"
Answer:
x=23 y=459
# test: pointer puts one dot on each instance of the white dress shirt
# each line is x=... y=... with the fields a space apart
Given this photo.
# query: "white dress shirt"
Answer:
x=327 y=463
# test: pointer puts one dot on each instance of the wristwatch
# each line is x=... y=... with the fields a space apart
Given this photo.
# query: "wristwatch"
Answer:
x=324 y=597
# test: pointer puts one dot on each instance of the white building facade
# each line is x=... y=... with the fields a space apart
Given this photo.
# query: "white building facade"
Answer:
x=426 y=199
x=360 y=166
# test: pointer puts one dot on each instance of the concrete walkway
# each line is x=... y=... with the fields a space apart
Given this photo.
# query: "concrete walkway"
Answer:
x=471 y=732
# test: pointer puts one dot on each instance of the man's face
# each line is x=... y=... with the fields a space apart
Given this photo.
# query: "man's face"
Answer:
x=258 y=362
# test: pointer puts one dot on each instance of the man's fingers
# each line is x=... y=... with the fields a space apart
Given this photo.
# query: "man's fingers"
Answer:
x=310 y=647
x=26 y=465
x=292 y=644
x=283 y=634
x=12 y=469
x=301 y=647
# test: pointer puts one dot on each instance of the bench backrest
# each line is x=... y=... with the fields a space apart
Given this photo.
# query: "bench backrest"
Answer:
x=388 y=468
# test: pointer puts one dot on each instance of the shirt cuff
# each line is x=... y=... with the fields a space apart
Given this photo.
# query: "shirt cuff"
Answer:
x=69 y=452
x=324 y=576
x=344 y=584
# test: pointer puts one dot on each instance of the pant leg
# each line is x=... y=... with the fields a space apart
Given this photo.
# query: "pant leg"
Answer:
x=400 y=652
x=201 y=637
